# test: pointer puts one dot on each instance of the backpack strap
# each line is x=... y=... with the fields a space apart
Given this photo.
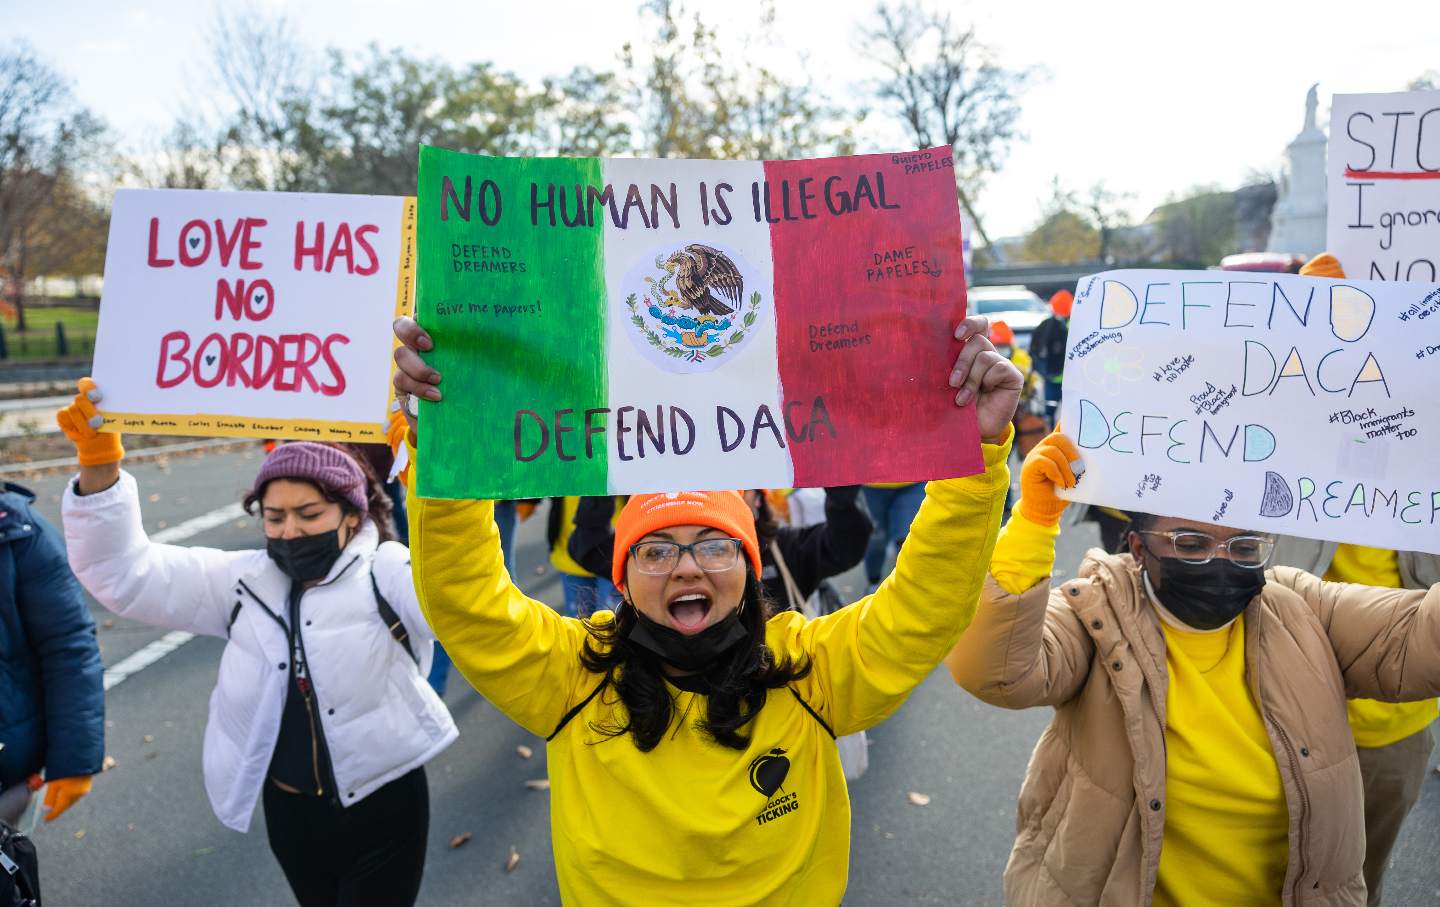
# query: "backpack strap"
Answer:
x=393 y=623
x=813 y=714
x=575 y=711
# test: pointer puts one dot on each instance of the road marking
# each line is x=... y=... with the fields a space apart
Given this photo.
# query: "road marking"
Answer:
x=148 y=655
x=217 y=517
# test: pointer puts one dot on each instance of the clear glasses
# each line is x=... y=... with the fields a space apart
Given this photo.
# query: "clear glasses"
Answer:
x=712 y=555
x=1252 y=551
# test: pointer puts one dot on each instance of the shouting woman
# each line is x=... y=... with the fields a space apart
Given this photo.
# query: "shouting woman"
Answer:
x=690 y=732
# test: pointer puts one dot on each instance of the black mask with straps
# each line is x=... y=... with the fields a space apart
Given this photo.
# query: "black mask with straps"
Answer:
x=305 y=558
x=695 y=652
x=1205 y=596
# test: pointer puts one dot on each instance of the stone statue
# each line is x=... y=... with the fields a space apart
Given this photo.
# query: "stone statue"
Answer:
x=1312 y=101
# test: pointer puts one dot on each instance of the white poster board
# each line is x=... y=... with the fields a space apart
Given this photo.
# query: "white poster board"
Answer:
x=252 y=314
x=1275 y=403
x=1384 y=185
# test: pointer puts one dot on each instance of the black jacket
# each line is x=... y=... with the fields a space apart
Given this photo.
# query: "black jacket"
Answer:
x=812 y=553
x=52 y=703
x=1048 y=344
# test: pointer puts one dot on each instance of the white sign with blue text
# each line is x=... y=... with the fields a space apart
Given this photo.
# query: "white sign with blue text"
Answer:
x=1276 y=403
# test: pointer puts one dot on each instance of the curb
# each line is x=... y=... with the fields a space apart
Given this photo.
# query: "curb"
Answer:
x=141 y=454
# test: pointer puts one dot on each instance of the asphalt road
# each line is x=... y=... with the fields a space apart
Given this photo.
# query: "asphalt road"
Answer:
x=146 y=834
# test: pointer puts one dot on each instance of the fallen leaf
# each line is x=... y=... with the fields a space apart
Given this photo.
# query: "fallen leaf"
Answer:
x=524 y=751
x=154 y=497
x=918 y=799
x=148 y=738
x=460 y=840
x=79 y=834
x=538 y=784
x=107 y=623
x=107 y=763
x=511 y=861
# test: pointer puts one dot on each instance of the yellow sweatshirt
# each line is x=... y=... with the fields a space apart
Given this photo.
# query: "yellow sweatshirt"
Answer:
x=691 y=822
x=1376 y=724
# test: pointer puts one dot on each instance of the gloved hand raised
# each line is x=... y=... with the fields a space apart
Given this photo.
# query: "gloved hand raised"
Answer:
x=1053 y=463
x=80 y=422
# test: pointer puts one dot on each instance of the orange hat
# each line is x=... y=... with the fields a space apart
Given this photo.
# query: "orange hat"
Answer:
x=1061 y=303
x=1323 y=265
x=1000 y=333
x=647 y=513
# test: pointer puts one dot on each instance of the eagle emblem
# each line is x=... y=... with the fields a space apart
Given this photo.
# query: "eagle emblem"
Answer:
x=700 y=269
x=689 y=306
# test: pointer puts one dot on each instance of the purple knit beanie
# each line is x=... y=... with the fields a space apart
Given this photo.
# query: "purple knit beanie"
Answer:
x=333 y=470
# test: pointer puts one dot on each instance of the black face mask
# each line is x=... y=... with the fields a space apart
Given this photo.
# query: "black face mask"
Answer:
x=306 y=557
x=688 y=653
x=1206 y=596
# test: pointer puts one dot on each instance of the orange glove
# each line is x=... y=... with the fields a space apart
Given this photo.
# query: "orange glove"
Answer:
x=79 y=422
x=1051 y=463
x=1323 y=265
x=62 y=793
x=525 y=509
x=395 y=433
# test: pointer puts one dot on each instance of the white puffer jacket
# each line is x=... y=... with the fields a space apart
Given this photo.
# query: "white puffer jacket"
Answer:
x=379 y=716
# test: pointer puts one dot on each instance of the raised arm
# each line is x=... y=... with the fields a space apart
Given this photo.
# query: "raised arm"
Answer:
x=519 y=653
x=162 y=585
x=827 y=549
x=1386 y=641
x=1026 y=648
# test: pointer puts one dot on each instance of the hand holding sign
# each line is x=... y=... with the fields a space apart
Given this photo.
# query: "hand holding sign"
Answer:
x=982 y=375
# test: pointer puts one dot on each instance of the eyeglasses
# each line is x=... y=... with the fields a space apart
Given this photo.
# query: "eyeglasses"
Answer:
x=1250 y=551
x=660 y=558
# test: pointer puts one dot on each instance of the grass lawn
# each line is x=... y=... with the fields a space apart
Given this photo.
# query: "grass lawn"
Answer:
x=38 y=340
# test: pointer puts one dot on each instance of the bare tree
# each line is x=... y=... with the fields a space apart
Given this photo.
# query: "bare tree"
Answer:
x=947 y=89
x=46 y=139
x=269 y=78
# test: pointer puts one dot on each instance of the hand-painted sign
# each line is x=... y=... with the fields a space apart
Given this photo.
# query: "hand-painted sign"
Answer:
x=615 y=326
x=252 y=314
x=1284 y=404
x=1384 y=205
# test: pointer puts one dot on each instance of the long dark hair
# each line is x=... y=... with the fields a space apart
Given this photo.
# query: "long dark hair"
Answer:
x=736 y=686
x=377 y=501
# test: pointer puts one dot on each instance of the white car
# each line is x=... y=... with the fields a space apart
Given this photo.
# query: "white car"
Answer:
x=1018 y=307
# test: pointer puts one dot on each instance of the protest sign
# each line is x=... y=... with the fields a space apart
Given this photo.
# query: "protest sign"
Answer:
x=615 y=326
x=1275 y=403
x=252 y=314
x=1384 y=186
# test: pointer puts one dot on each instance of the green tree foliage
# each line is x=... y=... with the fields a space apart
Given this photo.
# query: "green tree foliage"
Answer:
x=1196 y=231
x=1063 y=237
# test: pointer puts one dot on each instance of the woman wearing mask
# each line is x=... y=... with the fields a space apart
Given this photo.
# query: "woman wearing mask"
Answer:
x=1199 y=752
x=320 y=709
x=691 y=734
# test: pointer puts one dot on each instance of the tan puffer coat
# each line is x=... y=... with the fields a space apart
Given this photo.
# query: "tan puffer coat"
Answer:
x=1092 y=808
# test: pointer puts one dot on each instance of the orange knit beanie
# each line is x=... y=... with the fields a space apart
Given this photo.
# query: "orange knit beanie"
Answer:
x=647 y=513
x=1323 y=265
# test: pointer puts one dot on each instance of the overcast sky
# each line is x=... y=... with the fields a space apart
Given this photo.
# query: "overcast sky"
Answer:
x=1150 y=98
